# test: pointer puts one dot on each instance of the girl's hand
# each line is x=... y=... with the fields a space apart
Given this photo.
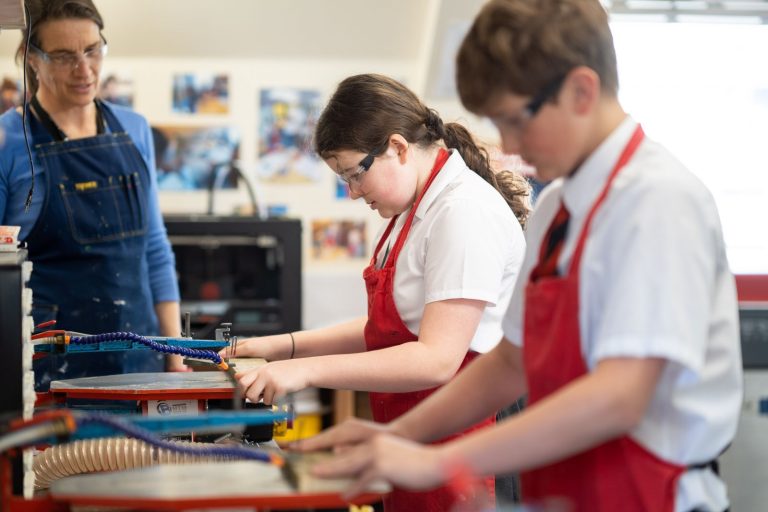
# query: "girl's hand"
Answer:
x=273 y=380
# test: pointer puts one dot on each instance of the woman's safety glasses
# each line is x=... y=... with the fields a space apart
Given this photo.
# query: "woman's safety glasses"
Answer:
x=66 y=60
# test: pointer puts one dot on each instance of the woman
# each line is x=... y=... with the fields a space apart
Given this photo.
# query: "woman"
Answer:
x=440 y=277
x=102 y=261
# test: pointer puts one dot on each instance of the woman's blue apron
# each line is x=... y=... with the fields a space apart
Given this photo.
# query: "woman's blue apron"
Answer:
x=88 y=248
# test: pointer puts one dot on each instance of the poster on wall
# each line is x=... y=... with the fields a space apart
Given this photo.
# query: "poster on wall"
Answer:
x=194 y=157
x=117 y=88
x=10 y=94
x=338 y=240
x=201 y=94
x=286 y=123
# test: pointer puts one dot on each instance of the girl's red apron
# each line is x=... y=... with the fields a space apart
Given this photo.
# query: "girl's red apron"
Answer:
x=619 y=474
x=385 y=329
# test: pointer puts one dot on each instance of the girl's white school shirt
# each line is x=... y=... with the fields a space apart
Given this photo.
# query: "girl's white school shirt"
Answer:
x=464 y=242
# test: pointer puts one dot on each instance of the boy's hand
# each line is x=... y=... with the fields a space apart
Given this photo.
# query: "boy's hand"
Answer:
x=384 y=457
x=349 y=433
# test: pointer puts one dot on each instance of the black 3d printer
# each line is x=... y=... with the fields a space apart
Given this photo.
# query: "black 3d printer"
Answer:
x=239 y=270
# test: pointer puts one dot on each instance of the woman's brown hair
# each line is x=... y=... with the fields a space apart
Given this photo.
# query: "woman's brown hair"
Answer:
x=41 y=11
x=366 y=109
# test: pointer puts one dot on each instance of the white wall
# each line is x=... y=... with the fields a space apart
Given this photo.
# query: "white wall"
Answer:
x=152 y=82
x=265 y=44
x=669 y=86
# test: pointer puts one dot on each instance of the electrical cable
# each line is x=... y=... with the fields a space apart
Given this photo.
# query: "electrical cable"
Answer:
x=24 y=112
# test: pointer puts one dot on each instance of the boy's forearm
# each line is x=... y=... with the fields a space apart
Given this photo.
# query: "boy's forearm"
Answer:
x=491 y=382
x=595 y=408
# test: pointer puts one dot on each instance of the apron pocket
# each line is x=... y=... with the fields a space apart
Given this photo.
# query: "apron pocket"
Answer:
x=105 y=210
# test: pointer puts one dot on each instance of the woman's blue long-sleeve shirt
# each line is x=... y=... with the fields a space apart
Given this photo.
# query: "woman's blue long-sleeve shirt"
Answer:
x=15 y=179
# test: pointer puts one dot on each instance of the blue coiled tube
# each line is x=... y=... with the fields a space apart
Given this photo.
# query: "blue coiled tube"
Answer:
x=154 y=345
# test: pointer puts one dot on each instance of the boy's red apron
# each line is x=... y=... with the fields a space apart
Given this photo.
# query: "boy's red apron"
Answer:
x=385 y=329
x=619 y=474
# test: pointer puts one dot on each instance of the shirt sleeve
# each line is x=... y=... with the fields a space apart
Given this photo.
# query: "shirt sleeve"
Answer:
x=466 y=252
x=657 y=283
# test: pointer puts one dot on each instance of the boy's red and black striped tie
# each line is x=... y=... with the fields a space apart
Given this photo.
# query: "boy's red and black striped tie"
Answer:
x=552 y=245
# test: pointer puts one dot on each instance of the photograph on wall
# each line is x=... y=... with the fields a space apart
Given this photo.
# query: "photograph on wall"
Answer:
x=10 y=94
x=201 y=94
x=338 y=240
x=194 y=157
x=286 y=122
x=117 y=88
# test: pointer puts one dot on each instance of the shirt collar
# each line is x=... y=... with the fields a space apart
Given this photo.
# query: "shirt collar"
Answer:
x=451 y=168
x=582 y=188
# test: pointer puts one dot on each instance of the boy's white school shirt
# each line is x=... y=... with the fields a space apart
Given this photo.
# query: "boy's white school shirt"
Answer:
x=654 y=282
x=464 y=243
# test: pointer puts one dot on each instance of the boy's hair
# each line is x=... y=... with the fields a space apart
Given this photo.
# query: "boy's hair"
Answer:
x=41 y=11
x=366 y=109
x=524 y=46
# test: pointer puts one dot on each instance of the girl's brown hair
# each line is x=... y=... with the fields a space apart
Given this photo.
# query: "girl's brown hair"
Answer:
x=366 y=109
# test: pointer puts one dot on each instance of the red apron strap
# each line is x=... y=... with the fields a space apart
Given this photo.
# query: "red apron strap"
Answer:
x=442 y=157
x=629 y=151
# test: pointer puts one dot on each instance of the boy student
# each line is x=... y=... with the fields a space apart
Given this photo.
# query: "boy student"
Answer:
x=622 y=328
